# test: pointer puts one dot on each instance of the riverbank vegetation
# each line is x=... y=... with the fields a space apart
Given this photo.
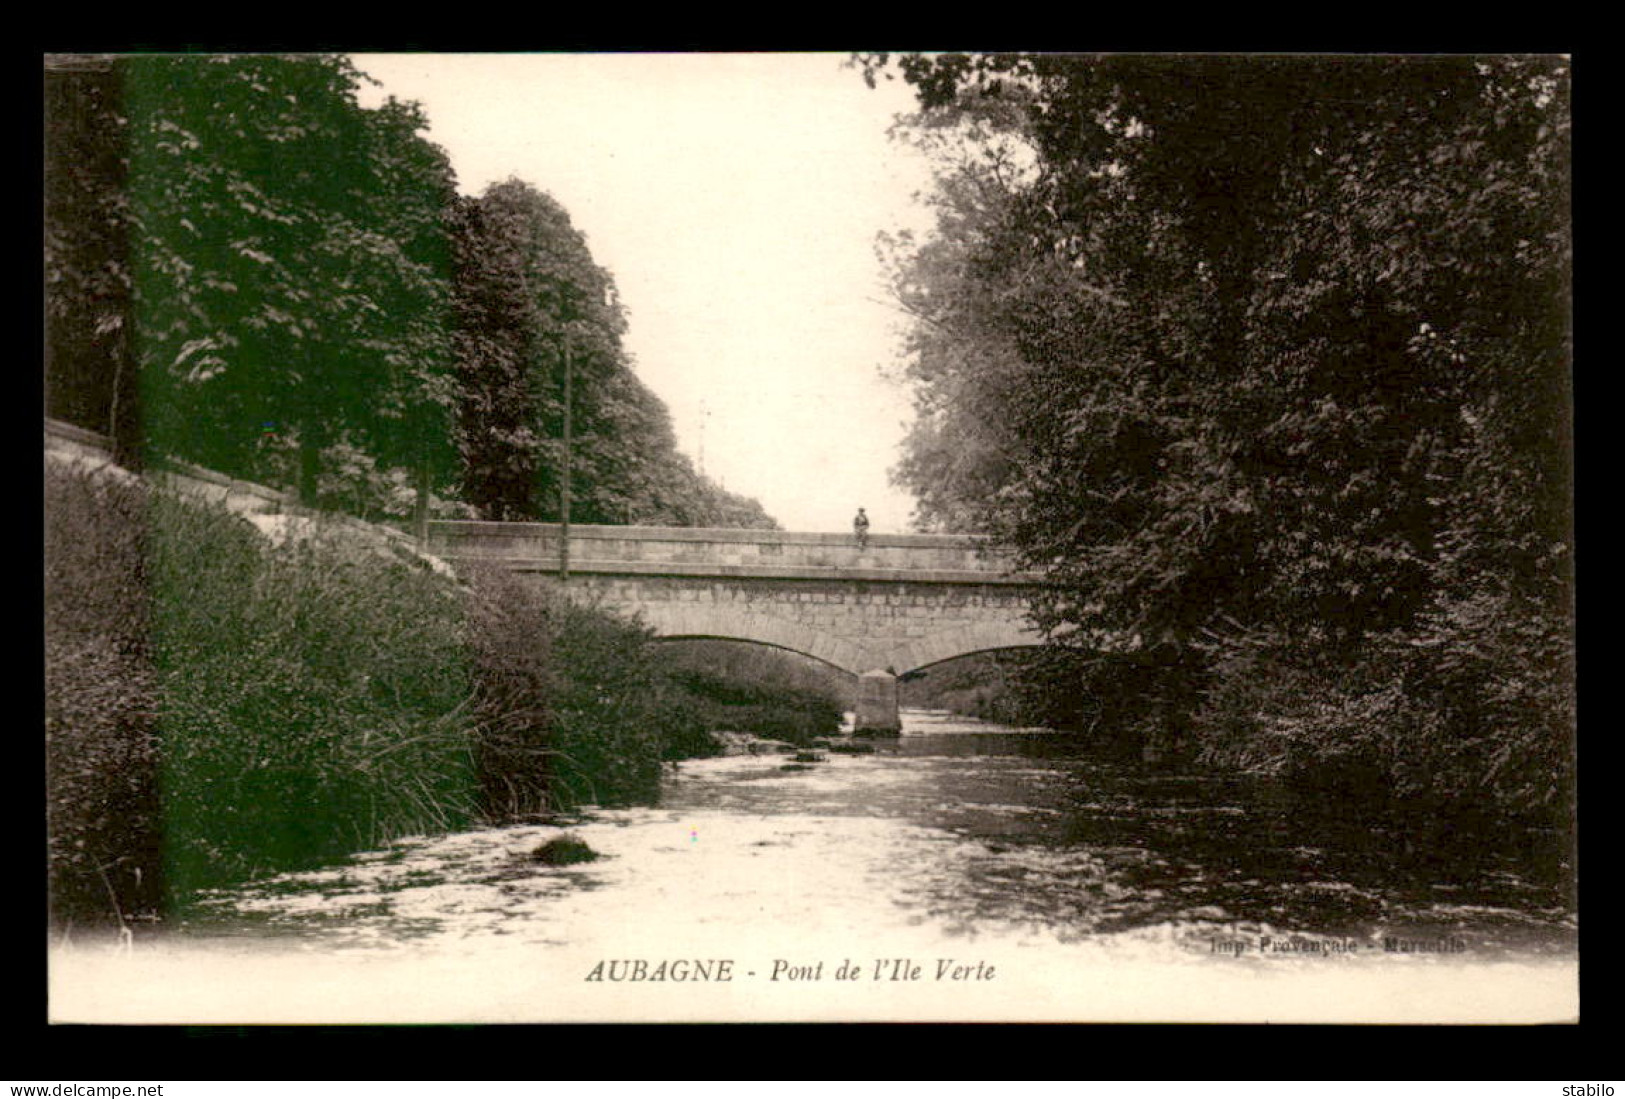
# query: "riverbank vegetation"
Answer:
x=227 y=699
x=1265 y=362
x=249 y=270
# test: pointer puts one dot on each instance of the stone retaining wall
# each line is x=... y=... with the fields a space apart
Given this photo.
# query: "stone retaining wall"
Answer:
x=245 y=498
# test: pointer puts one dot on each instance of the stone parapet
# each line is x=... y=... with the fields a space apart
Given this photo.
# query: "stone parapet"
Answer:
x=694 y=551
x=596 y=567
x=245 y=498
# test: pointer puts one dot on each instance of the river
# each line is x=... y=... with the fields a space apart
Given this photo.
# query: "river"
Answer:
x=962 y=871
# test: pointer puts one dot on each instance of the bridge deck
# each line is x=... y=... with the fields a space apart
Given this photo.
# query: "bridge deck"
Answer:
x=900 y=603
x=730 y=553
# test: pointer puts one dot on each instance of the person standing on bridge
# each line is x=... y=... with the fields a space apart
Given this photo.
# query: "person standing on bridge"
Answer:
x=860 y=529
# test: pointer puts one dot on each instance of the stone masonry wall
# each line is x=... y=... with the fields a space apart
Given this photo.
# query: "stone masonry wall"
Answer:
x=652 y=550
x=859 y=626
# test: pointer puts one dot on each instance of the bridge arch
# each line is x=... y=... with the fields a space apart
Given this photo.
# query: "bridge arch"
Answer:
x=962 y=641
x=673 y=621
x=893 y=605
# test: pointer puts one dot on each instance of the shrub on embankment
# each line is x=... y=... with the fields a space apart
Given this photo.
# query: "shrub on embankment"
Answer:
x=102 y=810
x=220 y=705
x=571 y=705
x=313 y=694
x=792 y=719
x=1470 y=717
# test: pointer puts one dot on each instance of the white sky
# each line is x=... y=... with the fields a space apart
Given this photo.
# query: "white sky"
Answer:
x=735 y=198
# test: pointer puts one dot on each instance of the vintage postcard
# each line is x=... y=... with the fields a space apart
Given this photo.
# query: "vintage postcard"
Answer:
x=809 y=537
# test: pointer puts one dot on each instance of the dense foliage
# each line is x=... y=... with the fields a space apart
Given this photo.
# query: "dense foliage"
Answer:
x=570 y=703
x=103 y=807
x=1266 y=362
x=535 y=315
x=247 y=269
x=288 y=263
x=310 y=696
x=217 y=706
x=220 y=704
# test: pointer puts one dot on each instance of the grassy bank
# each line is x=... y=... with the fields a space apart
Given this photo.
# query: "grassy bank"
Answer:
x=221 y=703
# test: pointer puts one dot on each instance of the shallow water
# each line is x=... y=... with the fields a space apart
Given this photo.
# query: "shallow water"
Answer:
x=960 y=843
x=971 y=828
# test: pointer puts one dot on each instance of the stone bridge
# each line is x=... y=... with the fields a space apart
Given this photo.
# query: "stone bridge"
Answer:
x=901 y=603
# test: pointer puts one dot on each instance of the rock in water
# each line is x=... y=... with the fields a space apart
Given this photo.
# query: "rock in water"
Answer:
x=564 y=850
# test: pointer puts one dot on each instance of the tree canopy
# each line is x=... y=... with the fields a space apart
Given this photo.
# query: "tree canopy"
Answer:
x=247 y=269
x=288 y=261
x=1266 y=361
x=529 y=296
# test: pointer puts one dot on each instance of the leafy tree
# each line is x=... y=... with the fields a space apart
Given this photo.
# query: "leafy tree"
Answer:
x=960 y=356
x=1265 y=361
x=248 y=270
x=90 y=378
x=409 y=421
x=287 y=260
x=529 y=298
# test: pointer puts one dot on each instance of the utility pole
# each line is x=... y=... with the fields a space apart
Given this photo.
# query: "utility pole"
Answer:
x=570 y=311
x=564 y=480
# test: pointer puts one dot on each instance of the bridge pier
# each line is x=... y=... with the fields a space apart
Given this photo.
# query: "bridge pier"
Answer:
x=877 y=705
